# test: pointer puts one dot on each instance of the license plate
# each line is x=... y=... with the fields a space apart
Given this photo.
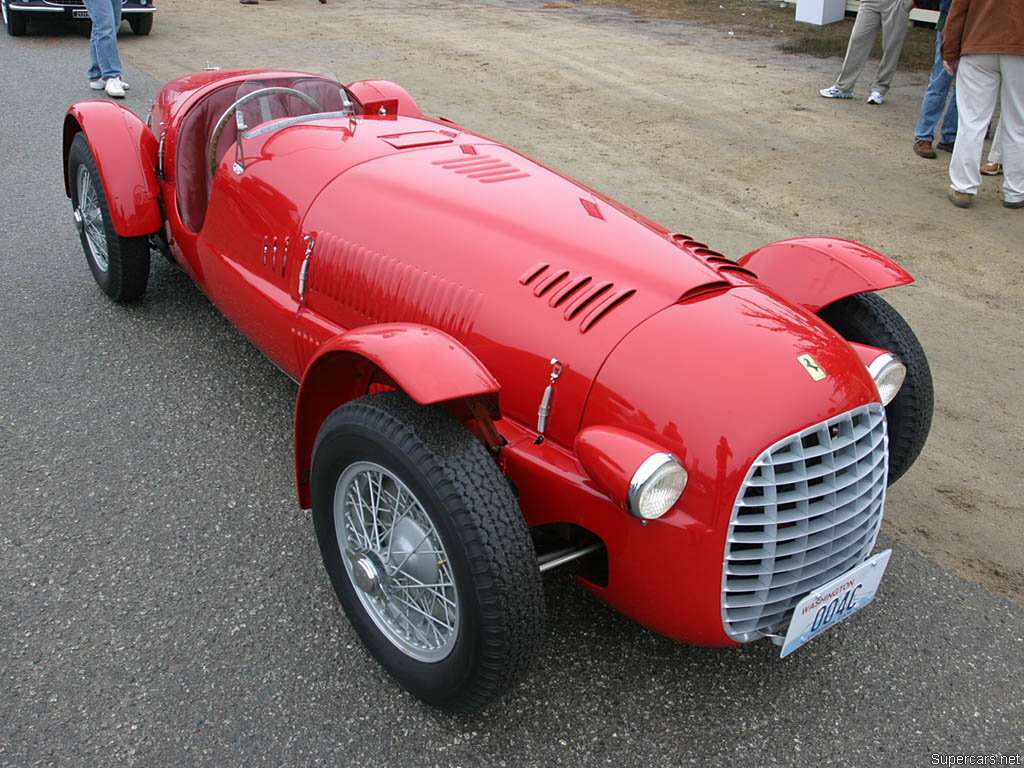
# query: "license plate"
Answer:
x=828 y=605
x=80 y=14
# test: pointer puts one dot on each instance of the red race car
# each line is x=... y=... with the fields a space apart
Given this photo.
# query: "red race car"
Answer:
x=503 y=371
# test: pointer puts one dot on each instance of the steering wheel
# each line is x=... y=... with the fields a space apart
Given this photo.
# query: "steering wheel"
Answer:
x=308 y=100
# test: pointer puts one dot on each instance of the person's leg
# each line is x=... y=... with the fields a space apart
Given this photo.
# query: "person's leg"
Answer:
x=862 y=37
x=935 y=99
x=1011 y=127
x=995 y=149
x=947 y=133
x=895 y=18
x=976 y=90
x=106 y=17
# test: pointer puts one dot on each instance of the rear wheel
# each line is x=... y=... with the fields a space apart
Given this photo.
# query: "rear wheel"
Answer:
x=426 y=549
x=141 y=23
x=867 y=318
x=120 y=265
x=15 y=21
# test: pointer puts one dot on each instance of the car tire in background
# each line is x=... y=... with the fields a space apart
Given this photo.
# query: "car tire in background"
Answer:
x=120 y=265
x=867 y=318
x=141 y=23
x=404 y=495
x=16 y=22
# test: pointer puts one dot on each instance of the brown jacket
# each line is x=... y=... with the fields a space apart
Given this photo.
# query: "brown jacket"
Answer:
x=983 y=26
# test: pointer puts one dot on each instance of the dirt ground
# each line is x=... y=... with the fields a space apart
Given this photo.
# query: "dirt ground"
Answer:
x=722 y=137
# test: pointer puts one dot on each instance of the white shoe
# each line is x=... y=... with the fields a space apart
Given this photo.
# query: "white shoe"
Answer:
x=114 y=88
x=97 y=84
x=875 y=98
x=835 y=93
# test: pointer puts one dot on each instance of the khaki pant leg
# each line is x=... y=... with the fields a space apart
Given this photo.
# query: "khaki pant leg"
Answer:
x=865 y=30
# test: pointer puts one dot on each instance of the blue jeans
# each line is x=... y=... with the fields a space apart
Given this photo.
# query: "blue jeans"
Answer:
x=106 y=18
x=939 y=86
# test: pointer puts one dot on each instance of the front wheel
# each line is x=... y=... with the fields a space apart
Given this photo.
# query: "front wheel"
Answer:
x=426 y=549
x=15 y=21
x=141 y=23
x=120 y=265
x=867 y=318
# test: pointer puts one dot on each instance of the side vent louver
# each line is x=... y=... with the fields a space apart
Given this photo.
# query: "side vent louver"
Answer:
x=579 y=297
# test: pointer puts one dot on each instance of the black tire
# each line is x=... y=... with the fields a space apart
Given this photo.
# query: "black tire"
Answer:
x=141 y=23
x=120 y=265
x=15 y=21
x=866 y=318
x=485 y=548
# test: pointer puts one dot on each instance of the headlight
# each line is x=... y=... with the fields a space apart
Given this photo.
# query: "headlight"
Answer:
x=888 y=373
x=656 y=486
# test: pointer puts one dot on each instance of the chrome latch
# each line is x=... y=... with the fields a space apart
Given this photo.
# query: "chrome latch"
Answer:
x=304 y=269
x=545 y=401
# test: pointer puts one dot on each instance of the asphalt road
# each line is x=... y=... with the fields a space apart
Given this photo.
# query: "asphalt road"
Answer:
x=162 y=602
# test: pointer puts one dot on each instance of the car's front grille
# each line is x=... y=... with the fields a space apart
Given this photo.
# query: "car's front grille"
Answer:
x=808 y=511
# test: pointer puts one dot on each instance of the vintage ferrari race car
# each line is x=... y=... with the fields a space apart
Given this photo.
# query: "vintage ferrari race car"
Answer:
x=503 y=371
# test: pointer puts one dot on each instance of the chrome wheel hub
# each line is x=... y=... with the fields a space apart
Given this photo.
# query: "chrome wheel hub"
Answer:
x=365 y=573
x=395 y=559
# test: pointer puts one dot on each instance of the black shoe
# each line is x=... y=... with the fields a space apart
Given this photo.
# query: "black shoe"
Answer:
x=945 y=146
x=1018 y=204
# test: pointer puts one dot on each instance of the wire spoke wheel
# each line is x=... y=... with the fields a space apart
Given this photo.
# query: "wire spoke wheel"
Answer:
x=120 y=265
x=426 y=549
x=91 y=217
x=397 y=562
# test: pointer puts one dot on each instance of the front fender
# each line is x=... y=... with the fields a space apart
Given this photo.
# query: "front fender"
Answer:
x=425 y=363
x=125 y=151
x=817 y=271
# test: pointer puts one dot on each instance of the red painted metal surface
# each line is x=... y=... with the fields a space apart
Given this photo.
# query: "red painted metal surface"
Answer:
x=817 y=271
x=126 y=155
x=392 y=250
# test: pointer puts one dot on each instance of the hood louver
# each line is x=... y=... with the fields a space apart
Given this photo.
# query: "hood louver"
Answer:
x=717 y=261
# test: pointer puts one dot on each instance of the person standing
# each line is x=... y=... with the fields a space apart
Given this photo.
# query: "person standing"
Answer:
x=892 y=17
x=105 y=62
x=984 y=41
x=934 y=101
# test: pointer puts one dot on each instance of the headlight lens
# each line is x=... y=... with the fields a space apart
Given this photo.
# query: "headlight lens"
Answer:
x=888 y=373
x=656 y=486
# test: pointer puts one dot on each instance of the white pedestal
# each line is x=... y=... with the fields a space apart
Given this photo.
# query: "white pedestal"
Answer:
x=820 y=11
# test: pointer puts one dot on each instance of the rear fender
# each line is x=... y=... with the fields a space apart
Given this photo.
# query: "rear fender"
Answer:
x=425 y=363
x=375 y=95
x=125 y=151
x=817 y=271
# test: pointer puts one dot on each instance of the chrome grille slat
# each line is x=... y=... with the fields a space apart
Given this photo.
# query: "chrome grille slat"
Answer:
x=809 y=510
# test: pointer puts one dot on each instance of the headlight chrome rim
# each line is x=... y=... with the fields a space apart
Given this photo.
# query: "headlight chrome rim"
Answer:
x=648 y=475
x=888 y=373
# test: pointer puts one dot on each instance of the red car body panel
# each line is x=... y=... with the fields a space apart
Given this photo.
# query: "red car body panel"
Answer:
x=125 y=152
x=389 y=249
x=817 y=271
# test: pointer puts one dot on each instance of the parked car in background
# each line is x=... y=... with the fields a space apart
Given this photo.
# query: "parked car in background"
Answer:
x=18 y=13
x=503 y=371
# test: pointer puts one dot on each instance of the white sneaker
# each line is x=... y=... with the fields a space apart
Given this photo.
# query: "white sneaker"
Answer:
x=835 y=93
x=97 y=84
x=114 y=88
x=875 y=98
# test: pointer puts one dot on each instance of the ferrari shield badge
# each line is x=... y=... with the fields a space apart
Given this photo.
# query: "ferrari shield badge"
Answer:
x=814 y=370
